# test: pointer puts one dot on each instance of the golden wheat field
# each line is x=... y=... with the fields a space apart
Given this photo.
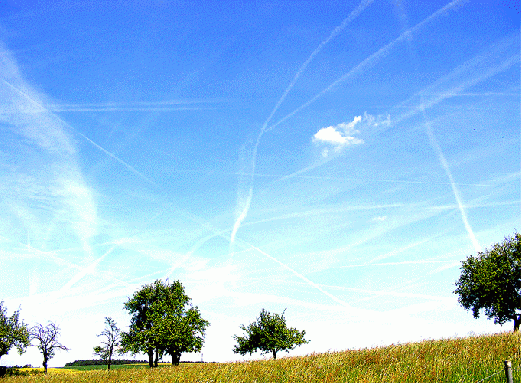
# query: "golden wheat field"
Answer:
x=467 y=359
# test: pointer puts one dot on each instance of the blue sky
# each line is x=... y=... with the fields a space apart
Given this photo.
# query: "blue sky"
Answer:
x=338 y=160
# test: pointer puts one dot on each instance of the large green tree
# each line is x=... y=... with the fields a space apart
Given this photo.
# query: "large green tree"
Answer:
x=269 y=334
x=491 y=281
x=13 y=332
x=163 y=321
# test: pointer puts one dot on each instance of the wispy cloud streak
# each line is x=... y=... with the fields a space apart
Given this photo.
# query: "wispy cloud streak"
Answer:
x=61 y=184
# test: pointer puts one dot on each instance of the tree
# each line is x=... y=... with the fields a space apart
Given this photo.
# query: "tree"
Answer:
x=268 y=334
x=48 y=341
x=112 y=341
x=492 y=281
x=139 y=338
x=163 y=321
x=13 y=332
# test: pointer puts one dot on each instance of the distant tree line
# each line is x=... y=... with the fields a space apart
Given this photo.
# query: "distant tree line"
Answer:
x=101 y=362
x=115 y=362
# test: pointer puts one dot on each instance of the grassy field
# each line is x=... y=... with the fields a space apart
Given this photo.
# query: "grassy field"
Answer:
x=451 y=360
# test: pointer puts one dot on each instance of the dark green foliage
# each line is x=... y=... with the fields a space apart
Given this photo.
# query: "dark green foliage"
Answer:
x=15 y=371
x=492 y=281
x=97 y=362
x=163 y=321
x=13 y=332
x=110 y=343
x=268 y=334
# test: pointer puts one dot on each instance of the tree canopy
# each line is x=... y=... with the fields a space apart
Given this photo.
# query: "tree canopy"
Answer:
x=268 y=333
x=13 y=332
x=163 y=321
x=491 y=281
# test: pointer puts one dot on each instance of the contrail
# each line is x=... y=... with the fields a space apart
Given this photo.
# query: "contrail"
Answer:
x=437 y=149
x=400 y=250
x=298 y=275
x=141 y=106
x=246 y=201
x=421 y=262
x=127 y=109
x=141 y=175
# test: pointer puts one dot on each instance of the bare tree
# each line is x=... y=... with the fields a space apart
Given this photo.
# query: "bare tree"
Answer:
x=48 y=338
x=112 y=340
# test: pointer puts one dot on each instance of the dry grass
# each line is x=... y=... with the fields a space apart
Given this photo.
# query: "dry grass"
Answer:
x=450 y=360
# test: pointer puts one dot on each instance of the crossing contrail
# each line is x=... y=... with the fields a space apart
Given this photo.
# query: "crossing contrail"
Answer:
x=249 y=246
x=437 y=148
x=371 y=60
x=480 y=64
x=364 y=65
x=244 y=201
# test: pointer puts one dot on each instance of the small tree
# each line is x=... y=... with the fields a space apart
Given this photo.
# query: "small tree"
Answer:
x=268 y=334
x=13 y=332
x=492 y=281
x=47 y=338
x=111 y=342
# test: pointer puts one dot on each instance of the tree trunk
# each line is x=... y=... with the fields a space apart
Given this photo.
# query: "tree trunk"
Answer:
x=175 y=358
x=109 y=361
x=151 y=357
x=517 y=322
x=156 y=360
x=274 y=354
x=45 y=364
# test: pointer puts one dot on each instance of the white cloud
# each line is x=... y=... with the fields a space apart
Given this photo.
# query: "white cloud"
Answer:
x=344 y=134
x=339 y=136
x=329 y=134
